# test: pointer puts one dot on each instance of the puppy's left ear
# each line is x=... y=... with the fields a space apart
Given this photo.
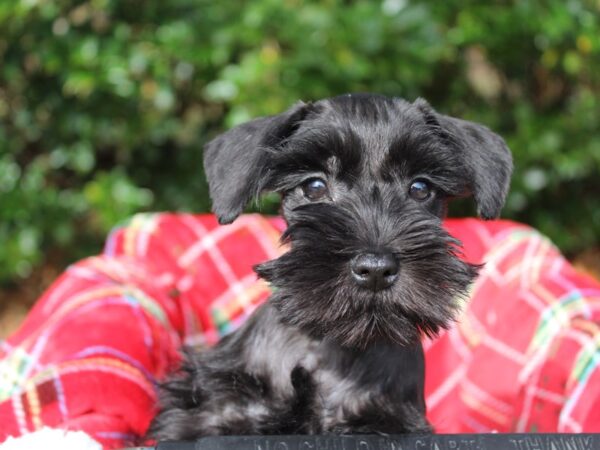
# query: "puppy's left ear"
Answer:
x=486 y=157
x=236 y=163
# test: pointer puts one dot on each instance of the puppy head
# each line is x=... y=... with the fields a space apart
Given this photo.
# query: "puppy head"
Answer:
x=365 y=181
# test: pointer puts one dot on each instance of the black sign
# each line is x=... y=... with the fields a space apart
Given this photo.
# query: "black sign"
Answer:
x=394 y=442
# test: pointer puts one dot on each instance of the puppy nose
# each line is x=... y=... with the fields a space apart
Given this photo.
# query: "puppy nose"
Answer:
x=375 y=271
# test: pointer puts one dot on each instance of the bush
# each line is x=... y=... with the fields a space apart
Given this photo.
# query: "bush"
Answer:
x=105 y=104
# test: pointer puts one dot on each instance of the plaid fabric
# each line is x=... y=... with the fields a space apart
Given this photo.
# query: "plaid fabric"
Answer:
x=523 y=357
x=525 y=354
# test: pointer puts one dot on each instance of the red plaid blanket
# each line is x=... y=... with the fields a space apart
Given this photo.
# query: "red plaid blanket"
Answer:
x=524 y=356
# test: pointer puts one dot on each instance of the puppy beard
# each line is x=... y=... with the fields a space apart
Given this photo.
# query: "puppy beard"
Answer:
x=315 y=291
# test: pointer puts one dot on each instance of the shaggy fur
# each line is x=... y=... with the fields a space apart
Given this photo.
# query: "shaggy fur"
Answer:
x=336 y=349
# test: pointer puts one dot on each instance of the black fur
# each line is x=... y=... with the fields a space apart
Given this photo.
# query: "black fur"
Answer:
x=325 y=354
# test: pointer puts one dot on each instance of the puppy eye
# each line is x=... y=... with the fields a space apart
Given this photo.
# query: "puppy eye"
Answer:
x=315 y=189
x=420 y=190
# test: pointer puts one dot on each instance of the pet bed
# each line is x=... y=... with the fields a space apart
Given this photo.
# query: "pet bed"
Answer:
x=523 y=357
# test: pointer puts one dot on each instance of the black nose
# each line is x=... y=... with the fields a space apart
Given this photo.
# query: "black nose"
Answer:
x=375 y=271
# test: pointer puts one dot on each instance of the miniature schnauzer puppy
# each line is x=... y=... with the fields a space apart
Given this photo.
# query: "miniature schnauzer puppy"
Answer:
x=365 y=181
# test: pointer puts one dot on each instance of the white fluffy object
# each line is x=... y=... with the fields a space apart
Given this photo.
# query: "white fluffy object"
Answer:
x=50 y=439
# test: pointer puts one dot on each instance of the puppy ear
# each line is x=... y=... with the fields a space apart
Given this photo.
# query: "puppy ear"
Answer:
x=486 y=157
x=236 y=162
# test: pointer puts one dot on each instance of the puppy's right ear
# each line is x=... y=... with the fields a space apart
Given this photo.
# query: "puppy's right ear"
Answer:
x=236 y=162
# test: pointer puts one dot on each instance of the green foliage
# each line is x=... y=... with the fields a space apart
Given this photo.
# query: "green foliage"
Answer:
x=105 y=104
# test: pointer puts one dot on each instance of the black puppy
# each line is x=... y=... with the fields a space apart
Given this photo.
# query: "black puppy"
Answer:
x=365 y=182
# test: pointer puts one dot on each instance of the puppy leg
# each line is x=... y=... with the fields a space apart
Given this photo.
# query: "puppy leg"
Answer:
x=205 y=402
x=236 y=389
x=302 y=418
x=384 y=419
